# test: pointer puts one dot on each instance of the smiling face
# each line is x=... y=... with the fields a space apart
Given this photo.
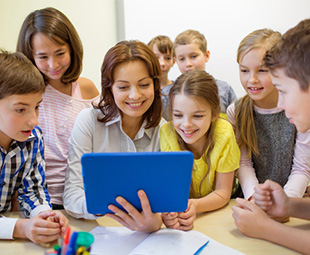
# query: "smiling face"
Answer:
x=18 y=116
x=192 y=119
x=51 y=59
x=190 y=56
x=256 y=79
x=133 y=89
x=293 y=100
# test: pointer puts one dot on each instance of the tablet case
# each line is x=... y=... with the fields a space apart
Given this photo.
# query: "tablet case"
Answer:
x=164 y=176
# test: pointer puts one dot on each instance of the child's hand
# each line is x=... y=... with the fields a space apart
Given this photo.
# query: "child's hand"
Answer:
x=57 y=216
x=38 y=229
x=270 y=197
x=146 y=221
x=187 y=218
x=250 y=219
x=171 y=220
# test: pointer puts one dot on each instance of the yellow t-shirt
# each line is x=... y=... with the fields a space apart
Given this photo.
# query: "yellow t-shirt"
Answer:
x=224 y=157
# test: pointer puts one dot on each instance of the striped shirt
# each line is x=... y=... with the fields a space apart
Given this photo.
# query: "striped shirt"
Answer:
x=22 y=170
x=56 y=119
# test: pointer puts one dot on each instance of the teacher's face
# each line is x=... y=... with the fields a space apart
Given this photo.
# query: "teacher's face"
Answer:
x=133 y=89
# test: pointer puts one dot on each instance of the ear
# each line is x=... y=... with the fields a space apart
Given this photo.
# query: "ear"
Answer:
x=214 y=117
x=207 y=56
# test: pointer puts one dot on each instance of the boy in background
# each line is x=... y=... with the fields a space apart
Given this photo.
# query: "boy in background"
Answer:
x=22 y=159
x=190 y=51
x=289 y=62
x=162 y=46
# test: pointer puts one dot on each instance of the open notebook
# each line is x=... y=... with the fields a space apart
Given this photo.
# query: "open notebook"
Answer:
x=121 y=241
x=164 y=176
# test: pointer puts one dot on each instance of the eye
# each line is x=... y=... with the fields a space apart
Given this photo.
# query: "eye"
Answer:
x=198 y=116
x=177 y=115
x=181 y=59
x=168 y=58
x=145 y=85
x=263 y=70
x=20 y=110
x=194 y=56
x=60 y=54
x=243 y=71
x=42 y=57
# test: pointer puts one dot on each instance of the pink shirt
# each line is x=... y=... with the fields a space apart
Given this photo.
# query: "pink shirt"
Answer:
x=300 y=173
x=56 y=119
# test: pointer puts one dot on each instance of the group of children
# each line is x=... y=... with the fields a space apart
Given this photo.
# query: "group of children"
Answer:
x=259 y=139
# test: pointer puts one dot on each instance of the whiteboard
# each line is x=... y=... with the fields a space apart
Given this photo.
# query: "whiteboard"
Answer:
x=223 y=22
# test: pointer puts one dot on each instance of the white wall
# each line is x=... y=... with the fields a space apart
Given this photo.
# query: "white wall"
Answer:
x=223 y=22
x=95 y=21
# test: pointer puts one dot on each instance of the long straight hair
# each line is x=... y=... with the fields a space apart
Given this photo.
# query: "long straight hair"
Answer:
x=245 y=126
x=199 y=85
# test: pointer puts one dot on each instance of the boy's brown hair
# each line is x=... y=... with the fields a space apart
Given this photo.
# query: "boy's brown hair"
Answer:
x=18 y=76
x=191 y=36
x=163 y=43
x=292 y=53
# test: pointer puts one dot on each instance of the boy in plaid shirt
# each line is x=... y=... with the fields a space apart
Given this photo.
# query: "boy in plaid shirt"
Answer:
x=22 y=154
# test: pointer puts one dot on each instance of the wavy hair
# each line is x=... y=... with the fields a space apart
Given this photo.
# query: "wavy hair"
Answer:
x=122 y=52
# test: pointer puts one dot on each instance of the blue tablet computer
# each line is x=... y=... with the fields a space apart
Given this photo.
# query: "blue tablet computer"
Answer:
x=164 y=176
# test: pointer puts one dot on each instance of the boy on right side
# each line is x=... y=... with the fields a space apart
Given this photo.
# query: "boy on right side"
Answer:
x=190 y=52
x=289 y=64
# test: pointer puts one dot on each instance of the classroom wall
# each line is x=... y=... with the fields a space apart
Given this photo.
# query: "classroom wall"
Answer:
x=94 y=20
x=102 y=23
x=223 y=22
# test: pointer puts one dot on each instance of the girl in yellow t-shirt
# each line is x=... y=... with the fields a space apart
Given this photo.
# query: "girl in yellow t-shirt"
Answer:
x=195 y=126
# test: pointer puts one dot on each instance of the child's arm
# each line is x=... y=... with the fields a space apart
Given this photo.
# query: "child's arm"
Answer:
x=215 y=200
x=33 y=194
x=219 y=197
x=300 y=173
x=246 y=173
x=253 y=222
x=146 y=221
x=270 y=197
x=40 y=229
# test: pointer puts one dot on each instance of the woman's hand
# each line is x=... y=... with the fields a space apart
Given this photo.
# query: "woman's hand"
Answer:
x=146 y=221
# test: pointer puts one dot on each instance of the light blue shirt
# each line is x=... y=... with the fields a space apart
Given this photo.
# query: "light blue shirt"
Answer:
x=90 y=135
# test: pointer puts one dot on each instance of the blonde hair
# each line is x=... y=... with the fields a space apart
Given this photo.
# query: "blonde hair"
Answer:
x=261 y=38
x=190 y=36
x=200 y=85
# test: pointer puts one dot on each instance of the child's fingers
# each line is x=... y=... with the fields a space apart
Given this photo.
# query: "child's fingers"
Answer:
x=171 y=220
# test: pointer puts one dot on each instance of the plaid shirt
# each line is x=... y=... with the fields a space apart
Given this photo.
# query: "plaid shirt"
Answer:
x=22 y=170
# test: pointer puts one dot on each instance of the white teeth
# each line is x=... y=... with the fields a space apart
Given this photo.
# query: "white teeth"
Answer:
x=188 y=132
x=255 y=88
x=135 y=104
